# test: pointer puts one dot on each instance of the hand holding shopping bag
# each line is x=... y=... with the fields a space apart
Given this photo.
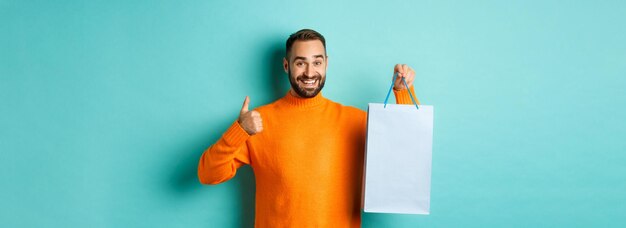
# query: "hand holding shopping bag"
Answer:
x=398 y=157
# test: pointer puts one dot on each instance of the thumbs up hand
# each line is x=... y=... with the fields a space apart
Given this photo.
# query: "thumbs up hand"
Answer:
x=250 y=120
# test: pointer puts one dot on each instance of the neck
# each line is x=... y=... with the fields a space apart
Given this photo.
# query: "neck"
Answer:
x=293 y=93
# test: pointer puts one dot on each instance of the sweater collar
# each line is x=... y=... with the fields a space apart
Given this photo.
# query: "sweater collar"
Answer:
x=299 y=102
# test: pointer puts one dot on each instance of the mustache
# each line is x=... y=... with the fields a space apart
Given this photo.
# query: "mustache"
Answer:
x=316 y=76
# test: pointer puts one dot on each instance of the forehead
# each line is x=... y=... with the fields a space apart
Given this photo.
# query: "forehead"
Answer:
x=307 y=48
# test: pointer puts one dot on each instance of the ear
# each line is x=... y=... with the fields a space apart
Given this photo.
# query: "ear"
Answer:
x=285 y=65
x=327 y=62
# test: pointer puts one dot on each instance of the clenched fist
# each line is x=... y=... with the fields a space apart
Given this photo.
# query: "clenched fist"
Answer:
x=250 y=120
x=405 y=72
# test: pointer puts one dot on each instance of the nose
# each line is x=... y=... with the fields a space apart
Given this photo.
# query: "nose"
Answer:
x=309 y=71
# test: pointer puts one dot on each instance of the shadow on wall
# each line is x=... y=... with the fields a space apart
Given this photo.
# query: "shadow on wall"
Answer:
x=273 y=63
x=184 y=177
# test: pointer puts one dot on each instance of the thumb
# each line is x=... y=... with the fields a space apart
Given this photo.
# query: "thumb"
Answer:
x=246 y=102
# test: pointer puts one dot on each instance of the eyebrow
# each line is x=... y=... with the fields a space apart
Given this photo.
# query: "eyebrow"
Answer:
x=304 y=58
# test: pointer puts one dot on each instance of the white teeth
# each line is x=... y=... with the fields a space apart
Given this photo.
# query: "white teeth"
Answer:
x=310 y=82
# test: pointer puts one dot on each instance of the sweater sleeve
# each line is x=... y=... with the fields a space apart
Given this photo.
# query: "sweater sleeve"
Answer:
x=220 y=161
x=403 y=97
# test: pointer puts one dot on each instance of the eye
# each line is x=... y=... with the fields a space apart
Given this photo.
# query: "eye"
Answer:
x=318 y=63
x=299 y=64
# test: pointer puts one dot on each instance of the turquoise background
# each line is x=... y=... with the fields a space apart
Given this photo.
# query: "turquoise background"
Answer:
x=106 y=106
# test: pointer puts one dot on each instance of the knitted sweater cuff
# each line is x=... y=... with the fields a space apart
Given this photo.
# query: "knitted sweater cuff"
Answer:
x=403 y=97
x=235 y=135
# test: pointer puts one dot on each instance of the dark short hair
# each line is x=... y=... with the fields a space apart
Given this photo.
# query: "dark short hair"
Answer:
x=304 y=35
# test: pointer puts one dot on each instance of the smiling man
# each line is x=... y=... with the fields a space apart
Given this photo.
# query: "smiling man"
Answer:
x=306 y=150
x=309 y=71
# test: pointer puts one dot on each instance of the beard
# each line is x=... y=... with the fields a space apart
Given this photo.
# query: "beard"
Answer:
x=306 y=92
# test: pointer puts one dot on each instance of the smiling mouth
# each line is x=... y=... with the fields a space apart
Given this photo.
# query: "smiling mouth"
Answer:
x=309 y=83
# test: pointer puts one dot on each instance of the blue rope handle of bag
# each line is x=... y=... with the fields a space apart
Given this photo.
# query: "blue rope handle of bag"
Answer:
x=395 y=75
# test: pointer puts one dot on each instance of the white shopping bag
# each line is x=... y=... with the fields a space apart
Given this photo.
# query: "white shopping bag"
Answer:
x=398 y=158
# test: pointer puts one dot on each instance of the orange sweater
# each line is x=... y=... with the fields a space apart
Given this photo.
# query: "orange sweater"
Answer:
x=308 y=162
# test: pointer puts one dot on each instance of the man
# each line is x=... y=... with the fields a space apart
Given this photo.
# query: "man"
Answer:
x=306 y=151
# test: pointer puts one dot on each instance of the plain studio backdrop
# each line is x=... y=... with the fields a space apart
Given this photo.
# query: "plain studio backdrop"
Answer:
x=106 y=106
